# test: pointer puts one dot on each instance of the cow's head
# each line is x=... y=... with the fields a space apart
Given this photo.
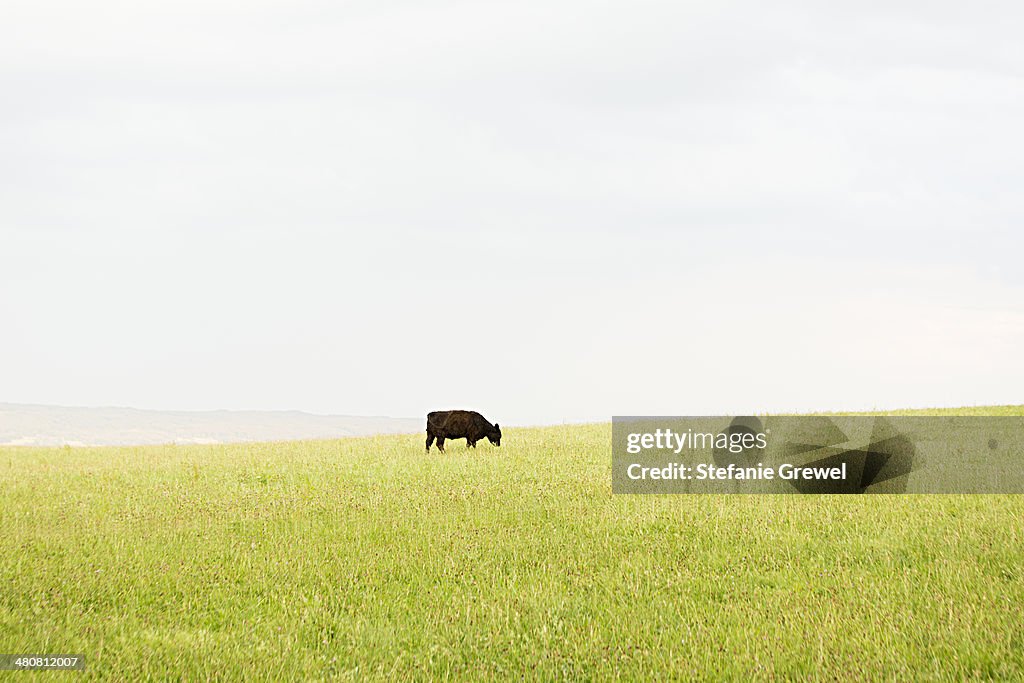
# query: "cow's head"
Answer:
x=494 y=436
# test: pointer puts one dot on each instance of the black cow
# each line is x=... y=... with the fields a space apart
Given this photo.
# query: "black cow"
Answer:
x=460 y=424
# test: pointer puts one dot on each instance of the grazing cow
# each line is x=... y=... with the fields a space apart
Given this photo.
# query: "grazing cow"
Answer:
x=460 y=424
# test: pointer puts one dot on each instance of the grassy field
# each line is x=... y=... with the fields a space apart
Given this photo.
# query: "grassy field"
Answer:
x=365 y=558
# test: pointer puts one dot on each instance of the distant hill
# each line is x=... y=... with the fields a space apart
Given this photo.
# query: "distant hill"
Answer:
x=37 y=425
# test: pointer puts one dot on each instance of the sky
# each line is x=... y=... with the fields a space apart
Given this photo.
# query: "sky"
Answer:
x=546 y=211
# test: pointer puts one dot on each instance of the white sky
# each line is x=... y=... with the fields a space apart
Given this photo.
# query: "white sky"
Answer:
x=546 y=211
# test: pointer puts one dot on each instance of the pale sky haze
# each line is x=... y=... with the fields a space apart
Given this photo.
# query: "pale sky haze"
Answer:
x=546 y=211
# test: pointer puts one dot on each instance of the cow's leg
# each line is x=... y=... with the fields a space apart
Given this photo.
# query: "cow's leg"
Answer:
x=471 y=443
x=430 y=440
x=440 y=443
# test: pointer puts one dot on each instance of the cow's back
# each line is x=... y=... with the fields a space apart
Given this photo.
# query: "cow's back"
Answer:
x=437 y=418
x=455 y=423
x=440 y=419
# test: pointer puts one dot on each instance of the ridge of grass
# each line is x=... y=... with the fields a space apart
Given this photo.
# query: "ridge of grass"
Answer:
x=365 y=558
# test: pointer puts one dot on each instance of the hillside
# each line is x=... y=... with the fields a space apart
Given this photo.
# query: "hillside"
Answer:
x=364 y=558
x=35 y=425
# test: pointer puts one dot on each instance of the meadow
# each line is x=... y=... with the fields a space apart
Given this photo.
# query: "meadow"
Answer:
x=365 y=558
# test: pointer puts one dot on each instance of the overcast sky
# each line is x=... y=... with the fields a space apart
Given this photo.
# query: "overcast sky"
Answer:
x=548 y=211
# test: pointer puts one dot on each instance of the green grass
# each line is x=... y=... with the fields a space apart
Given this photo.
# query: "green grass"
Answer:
x=972 y=410
x=364 y=558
